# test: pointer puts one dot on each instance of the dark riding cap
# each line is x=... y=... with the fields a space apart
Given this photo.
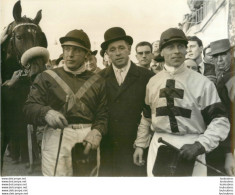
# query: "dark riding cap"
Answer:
x=115 y=34
x=77 y=38
x=172 y=35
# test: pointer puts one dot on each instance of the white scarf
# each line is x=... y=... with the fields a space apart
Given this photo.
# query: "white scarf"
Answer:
x=75 y=72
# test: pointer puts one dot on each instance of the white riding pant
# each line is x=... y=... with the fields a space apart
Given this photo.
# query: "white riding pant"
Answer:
x=50 y=143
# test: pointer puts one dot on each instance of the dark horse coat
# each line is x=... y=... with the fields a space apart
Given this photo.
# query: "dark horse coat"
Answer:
x=125 y=104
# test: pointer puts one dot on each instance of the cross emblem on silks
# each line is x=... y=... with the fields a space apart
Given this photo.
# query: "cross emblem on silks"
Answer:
x=170 y=92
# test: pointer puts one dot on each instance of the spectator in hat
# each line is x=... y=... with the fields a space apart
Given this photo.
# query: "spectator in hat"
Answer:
x=125 y=86
x=194 y=52
x=222 y=52
x=144 y=54
x=191 y=64
x=207 y=57
x=158 y=60
x=106 y=60
x=71 y=99
x=184 y=109
x=91 y=63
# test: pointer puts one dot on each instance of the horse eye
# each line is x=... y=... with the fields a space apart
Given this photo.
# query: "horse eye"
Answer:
x=19 y=37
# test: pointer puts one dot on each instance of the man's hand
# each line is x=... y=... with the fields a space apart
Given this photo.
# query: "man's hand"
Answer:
x=55 y=119
x=14 y=79
x=229 y=164
x=92 y=141
x=4 y=35
x=191 y=151
x=138 y=156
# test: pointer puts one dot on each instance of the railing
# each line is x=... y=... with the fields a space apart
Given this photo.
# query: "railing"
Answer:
x=198 y=15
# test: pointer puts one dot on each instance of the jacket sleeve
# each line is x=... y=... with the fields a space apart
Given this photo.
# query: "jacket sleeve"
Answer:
x=228 y=144
x=215 y=117
x=101 y=114
x=35 y=108
x=144 y=133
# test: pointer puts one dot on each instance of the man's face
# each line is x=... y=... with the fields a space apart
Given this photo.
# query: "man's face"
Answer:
x=208 y=58
x=74 y=57
x=222 y=61
x=191 y=64
x=91 y=63
x=174 y=54
x=144 y=55
x=119 y=52
x=193 y=50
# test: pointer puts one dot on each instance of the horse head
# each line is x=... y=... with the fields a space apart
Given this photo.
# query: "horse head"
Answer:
x=23 y=34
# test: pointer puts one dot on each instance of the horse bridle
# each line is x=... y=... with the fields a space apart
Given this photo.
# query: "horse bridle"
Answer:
x=13 y=37
x=24 y=24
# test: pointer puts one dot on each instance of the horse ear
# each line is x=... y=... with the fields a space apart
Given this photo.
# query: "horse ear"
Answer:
x=17 y=11
x=38 y=17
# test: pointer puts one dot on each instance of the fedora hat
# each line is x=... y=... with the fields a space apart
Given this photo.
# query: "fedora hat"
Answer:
x=115 y=34
x=172 y=35
x=219 y=46
x=76 y=38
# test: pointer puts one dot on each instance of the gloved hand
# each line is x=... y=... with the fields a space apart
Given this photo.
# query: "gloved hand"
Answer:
x=14 y=79
x=190 y=151
x=138 y=156
x=55 y=119
x=92 y=140
x=229 y=164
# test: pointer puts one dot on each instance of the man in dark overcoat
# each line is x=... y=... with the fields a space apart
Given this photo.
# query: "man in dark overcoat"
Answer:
x=222 y=157
x=125 y=85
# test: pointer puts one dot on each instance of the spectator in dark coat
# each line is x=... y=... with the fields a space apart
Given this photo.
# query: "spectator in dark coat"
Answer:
x=126 y=86
x=222 y=157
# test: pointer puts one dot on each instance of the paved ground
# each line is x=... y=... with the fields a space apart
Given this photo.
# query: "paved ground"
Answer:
x=20 y=169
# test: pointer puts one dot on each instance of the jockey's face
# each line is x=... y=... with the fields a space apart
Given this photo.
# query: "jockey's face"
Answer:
x=174 y=54
x=74 y=57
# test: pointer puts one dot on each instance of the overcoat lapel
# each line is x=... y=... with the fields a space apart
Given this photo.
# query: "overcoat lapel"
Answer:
x=112 y=83
x=111 y=79
x=130 y=79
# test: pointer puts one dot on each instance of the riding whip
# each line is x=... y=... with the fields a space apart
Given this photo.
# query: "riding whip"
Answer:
x=160 y=140
x=61 y=137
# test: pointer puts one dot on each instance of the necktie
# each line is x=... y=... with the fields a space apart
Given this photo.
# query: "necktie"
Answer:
x=119 y=77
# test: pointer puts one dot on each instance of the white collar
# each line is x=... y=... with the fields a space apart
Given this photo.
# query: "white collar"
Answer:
x=173 y=70
x=124 y=69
